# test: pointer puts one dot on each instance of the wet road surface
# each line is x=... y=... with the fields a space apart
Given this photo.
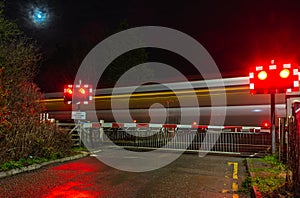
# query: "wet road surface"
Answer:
x=188 y=176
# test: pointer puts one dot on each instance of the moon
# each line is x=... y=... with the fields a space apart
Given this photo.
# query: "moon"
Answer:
x=39 y=15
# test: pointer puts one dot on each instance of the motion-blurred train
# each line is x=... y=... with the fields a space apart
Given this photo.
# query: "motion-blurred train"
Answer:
x=148 y=102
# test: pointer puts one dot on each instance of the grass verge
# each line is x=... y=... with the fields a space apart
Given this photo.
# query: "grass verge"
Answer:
x=23 y=162
x=268 y=174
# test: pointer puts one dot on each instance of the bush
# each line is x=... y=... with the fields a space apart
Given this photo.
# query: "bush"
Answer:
x=44 y=140
x=21 y=133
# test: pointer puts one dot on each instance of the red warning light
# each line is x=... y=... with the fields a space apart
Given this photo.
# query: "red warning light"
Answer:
x=78 y=94
x=82 y=90
x=284 y=73
x=68 y=94
x=266 y=124
x=83 y=94
x=69 y=91
x=273 y=78
x=262 y=75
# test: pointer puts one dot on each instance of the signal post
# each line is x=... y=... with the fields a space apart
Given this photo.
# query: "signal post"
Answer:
x=80 y=94
x=273 y=79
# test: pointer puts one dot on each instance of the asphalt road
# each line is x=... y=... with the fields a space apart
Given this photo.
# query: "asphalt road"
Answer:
x=188 y=176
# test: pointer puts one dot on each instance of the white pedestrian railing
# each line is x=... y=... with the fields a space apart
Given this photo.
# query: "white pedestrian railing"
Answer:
x=219 y=139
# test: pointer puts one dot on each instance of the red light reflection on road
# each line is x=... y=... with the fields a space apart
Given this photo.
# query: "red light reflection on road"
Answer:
x=82 y=187
x=76 y=166
x=74 y=190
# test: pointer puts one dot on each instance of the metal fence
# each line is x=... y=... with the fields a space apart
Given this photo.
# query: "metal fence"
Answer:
x=192 y=140
x=207 y=140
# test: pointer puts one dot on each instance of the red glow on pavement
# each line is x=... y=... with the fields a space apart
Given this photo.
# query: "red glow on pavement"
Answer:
x=76 y=166
x=83 y=187
x=74 y=190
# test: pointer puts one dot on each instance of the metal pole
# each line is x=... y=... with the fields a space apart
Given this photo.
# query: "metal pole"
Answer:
x=79 y=123
x=280 y=144
x=273 y=121
x=80 y=129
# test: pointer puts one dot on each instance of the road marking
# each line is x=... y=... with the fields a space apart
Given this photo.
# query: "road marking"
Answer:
x=234 y=186
x=235 y=169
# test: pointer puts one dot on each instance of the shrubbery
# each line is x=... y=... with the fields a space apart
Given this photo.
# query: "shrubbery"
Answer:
x=22 y=134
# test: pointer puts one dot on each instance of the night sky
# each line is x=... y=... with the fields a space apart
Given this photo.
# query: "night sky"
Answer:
x=238 y=34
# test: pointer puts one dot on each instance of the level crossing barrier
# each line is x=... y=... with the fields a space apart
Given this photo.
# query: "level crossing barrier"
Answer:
x=220 y=139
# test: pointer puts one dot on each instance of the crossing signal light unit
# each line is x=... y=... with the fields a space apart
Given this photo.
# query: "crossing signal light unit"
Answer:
x=68 y=94
x=274 y=79
x=79 y=94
